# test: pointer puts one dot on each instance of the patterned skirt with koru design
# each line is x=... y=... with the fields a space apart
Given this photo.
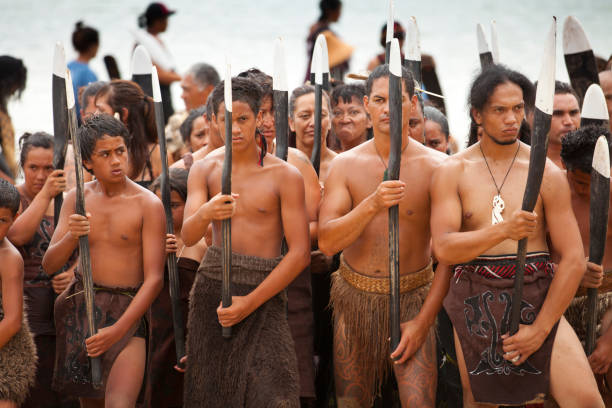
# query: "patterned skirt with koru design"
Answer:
x=479 y=303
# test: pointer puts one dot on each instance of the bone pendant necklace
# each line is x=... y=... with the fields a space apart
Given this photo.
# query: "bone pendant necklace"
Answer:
x=498 y=202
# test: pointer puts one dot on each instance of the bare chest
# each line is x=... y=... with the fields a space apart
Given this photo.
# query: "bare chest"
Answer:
x=115 y=224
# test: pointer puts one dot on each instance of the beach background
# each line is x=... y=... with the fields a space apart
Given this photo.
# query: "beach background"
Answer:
x=205 y=31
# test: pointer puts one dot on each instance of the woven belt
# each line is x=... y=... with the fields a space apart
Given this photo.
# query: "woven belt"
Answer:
x=408 y=281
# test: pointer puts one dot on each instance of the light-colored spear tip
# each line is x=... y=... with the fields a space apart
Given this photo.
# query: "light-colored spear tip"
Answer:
x=483 y=46
x=279 y=78
x=155 y=83
x=324 y=53
x=574 y=37
x=69 y=90
x=414 y=43
x=59 y=60
x=395 y=59
x=545 y=91
x=228 y=85
x=601 y=157
x=141 y=61
x=594 y=105
x=390 y=21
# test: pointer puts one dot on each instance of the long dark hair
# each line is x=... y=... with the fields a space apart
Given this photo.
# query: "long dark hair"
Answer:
x=483 y=87
x=13 y=76
x=30 y=140
x=325 y=6
x=140 y=122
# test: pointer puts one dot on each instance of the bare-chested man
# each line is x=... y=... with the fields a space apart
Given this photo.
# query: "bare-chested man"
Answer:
x=299 y=292
x=577 y=155
x=126 y=229
x=565 y=118
x=545 y=354
x=605 y=81
x=257 y=366
x=354 y=219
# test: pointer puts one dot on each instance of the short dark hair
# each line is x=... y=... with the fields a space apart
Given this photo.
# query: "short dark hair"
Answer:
x=433 y=114
x=9 y=196
x=577 y=147
x=83 y=37
x=383 y=71
x=29 y=140
x=301 y=91
x=264 y=80
x=562 y=88
x=243 y=90
x=483 y=86
x=209 y=107
x=187 y=125
x=178 y=182
x=346 y=93
x=96 y=128
x=90 y=91
x=326 y=6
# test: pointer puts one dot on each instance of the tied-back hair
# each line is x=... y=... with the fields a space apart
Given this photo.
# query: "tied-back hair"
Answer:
x=383 y=71
x=140 y=121
x=30 y=140
x=178 y=182
x=187 y=125
x=434 y=114
x=483 y=87
x=297 y=94
x=13 y=76
x=83 y=37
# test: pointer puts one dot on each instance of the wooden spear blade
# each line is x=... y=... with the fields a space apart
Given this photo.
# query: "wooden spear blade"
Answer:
x=111 y=67
x=226 y=188
x=537 y=161
x=280 y=100
x=173 y=278
x=598 y=225
x=494 y=42
x=390 y=27
x=60 y=119
x=395 y=119
x=486 y=56
x=84 y=255
x=141 y=69
x=579 y=57
x=413 y=56
x=315 y=158
x=594 y=109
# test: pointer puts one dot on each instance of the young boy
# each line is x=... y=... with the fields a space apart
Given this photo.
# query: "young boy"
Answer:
x=126 y=229
x=257 y=366
x=17 y=350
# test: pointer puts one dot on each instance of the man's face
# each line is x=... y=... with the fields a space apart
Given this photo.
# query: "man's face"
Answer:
x=193 y=95
x=417 y=124
x=565 y=117
x=377 y=106
x=199 y=133
x=109 y=160
x=37 y=167
x=243 y=124
x=88 y=110
x=580 y=182
x=350 y=121
x=302 y=122
x=502 y=115
x=434 y=137
x=266 y=122
x=605 y=81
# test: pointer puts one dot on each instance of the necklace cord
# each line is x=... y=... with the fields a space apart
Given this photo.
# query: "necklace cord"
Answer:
x=491 y=173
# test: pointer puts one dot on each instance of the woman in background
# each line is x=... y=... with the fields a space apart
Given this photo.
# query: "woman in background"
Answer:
x=86 y=42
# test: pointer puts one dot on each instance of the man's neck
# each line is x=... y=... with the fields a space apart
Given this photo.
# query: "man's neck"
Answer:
x=382 y=143
x=112 y=189
x=495 y=151
x=554 y=153
x=246 y=156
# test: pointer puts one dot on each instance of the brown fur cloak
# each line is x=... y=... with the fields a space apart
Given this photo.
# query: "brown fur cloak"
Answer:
x=257 y=366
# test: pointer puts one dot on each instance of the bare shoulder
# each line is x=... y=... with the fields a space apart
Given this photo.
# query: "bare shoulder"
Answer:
x=554 y=180
x=354 y=155
x=204 y=164
x=296 y=155
x=430 y=158
x=12 y=262
x=285 y=171
x=455 y=164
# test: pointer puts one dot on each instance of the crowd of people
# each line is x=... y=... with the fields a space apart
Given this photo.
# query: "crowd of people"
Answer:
x=310 y=323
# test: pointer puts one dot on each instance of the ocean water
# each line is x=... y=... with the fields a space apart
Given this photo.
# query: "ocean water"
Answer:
x=208 y=30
